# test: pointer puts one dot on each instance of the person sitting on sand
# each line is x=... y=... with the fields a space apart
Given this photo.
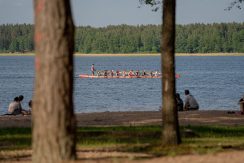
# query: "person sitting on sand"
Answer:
x=24 y=112
x=179 y=102
x=21 y=97
x=14 y=107
x=30 y=105
x=241 y=102
x=190 y=102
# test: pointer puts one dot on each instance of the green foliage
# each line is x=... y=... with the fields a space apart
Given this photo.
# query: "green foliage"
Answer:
x=15 y=138
x=192 y=38
x=146 y=139
x=16 y=38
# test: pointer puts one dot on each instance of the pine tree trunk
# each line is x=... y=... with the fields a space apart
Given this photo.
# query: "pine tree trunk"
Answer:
x=170 y=133
x=53 y=115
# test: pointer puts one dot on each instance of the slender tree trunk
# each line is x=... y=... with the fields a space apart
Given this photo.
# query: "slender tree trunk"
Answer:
x=53 y=116
x=170 y=133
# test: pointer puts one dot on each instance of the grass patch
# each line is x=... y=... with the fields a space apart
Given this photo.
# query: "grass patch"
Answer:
x=145 y=139
x=119 y=136
x=15 y=138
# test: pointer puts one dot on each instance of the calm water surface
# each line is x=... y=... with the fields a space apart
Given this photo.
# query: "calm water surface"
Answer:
x=216 y=82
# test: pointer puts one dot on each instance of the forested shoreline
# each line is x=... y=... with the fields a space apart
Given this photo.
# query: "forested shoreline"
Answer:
x=192 y=38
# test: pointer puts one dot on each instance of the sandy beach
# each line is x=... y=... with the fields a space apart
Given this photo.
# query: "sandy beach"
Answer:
x=210 y=117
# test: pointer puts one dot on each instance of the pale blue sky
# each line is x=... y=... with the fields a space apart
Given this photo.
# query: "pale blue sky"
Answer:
x=112 y=12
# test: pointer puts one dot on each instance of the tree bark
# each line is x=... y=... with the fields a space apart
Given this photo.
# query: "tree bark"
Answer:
x=170 y=132
x=53 y=115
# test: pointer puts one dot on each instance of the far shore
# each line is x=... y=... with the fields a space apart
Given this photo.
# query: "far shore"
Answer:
x=132 y=54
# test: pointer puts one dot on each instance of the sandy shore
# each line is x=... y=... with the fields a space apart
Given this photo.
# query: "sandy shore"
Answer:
x=138 y=118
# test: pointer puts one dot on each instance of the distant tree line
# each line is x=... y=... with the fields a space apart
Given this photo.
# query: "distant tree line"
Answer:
x=16 y=38
x=192 y=38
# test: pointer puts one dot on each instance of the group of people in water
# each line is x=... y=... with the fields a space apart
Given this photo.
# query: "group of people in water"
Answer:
x=15 y=106
x=190 y=102
x=124 y=73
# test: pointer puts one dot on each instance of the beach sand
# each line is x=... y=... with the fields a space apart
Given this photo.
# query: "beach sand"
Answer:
x=209 y=117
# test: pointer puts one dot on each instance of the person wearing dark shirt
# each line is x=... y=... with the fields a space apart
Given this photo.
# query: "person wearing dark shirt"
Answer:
x=179 y=102
x=23 y=111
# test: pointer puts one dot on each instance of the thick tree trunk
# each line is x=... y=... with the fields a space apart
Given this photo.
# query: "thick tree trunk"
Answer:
x=170 y=133
x=53 y=116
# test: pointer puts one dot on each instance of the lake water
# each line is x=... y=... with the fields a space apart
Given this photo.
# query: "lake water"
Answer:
x=216 y=82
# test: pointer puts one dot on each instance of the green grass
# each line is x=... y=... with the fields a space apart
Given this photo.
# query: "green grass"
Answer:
x=146 y=139
x=15 y=138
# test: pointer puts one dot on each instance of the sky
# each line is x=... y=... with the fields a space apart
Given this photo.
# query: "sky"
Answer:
x=100 y=13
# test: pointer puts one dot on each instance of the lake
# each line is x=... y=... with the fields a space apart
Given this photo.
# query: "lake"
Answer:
x=216 y=82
